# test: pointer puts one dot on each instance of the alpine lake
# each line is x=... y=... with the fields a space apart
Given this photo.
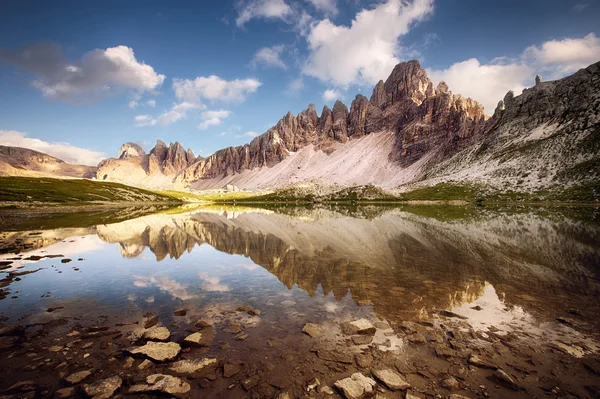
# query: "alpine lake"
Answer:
x=290 y=302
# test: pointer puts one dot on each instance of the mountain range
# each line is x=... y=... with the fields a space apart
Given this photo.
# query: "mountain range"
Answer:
x=408 y=131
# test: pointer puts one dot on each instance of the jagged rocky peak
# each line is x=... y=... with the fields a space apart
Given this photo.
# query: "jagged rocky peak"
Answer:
x=407 y=80
x=160 y=150
x=131 y=150
x=177 y=158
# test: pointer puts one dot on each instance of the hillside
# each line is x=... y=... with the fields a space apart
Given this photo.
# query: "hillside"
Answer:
x=17 y=161
x=47 y=190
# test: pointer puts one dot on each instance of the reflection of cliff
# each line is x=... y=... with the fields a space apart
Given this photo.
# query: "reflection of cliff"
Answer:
x=31 y=240
x=403 y=264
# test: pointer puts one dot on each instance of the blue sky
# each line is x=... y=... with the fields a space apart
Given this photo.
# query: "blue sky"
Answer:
x=80 y=78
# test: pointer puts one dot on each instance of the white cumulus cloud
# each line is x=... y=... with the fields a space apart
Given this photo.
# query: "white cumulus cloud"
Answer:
x=368 y=49
x=214 y=88
x=331 y=94
x=213 y=118
x=267 y=9
x=488 y=83
x=269 y=57
x=97 y=73
x=64 y=151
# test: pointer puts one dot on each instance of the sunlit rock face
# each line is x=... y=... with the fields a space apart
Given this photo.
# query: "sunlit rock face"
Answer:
x=131 y=150
x=421 y=263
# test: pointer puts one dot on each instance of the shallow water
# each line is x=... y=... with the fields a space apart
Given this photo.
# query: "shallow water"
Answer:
x=505 y=278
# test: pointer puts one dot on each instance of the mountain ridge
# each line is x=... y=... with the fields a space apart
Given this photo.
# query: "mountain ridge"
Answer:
x=408 y=131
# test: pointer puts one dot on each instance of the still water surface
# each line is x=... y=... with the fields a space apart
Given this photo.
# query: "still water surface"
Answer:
x=520 y=289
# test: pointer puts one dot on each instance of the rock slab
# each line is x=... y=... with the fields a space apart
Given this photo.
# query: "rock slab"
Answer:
x=159 y=351
x=356 y=386
x=162 y=383
x=391 y=379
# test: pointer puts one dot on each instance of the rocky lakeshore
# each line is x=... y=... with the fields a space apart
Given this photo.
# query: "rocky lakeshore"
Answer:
x=237 y=352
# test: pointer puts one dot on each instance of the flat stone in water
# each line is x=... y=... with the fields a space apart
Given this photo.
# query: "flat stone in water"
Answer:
x=159 y=351
x=196 y=339
x=191 y=366
x=157 y=334
x=391 y=379
x=162 y=383
x=356 y=386
x=64 y=393
x=103 y=389
x=231 y=369
x=313 y=330
x=77 y=377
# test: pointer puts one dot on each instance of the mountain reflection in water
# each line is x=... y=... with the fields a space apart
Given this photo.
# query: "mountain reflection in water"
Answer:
x=406 y=266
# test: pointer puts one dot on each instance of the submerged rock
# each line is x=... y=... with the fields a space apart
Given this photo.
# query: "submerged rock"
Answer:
x=77 y=377
x=103 y=389
x=159 y=351
x=313 y=330
x=362 y=339
x=151 y=320
x=231 y=369
x=391 y=379
x=191 y=366
x=162 y=383
x=356 y=386
x=9 y=331
x=64 y=393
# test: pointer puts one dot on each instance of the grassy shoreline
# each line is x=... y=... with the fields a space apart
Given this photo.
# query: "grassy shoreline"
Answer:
x=48 y=193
